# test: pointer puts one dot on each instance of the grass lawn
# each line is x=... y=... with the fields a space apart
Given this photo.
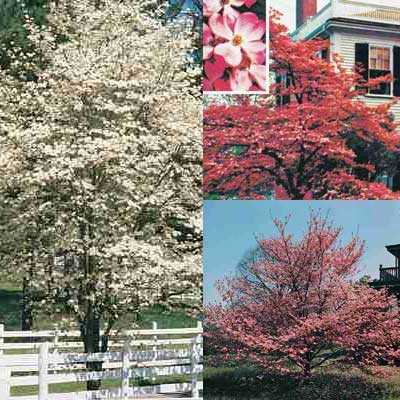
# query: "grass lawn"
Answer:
x=239 y=383
x=10 y=300
x=105 y=384
x=10 y=314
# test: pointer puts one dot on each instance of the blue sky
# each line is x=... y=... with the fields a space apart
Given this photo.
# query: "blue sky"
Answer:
x=230 y=228
x=288 y=9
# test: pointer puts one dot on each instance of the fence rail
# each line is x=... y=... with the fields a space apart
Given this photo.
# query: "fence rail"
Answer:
x=136 y=354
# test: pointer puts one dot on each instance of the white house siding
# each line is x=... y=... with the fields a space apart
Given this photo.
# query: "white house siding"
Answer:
x=343 y=39
x=343 y=43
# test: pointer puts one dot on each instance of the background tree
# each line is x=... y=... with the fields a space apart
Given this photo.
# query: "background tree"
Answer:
x=249 y=258
x=96 y=152
x=296 y=305
x=309 y=147
x=14 y=42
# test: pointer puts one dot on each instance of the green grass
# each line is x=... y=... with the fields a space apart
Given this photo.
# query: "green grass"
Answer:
x=165 y=319
x=10 y=314
x=238 y=383
x=105 y=384
x=10 y=300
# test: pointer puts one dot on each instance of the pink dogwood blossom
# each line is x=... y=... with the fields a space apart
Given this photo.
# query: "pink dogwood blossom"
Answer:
x=214 y=68
x=207 y=86
x=211 y=7
x=208 y=48
x=242 y=79
x=234 y=50
x=244 y=34
x=222 y=85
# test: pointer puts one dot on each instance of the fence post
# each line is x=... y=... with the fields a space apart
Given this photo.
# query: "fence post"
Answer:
x=43 y=370
x=195 y=359
x=154 y=369
x=1 y=338
x=5 y=375
x=193 y=369
x=125 y=372
x=56 y=339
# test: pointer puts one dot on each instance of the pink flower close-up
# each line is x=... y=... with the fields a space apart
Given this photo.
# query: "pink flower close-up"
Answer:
x=207 y=85
x=242 y=79
x=214 y=68
x=211 y=7
x=244 y=34
x=222 y=86
x=234 y=49
x=208 y=48
x=249 y=3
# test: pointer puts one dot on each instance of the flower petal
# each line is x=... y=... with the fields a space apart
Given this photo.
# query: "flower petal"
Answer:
x=232 y=54
x=230 y=12
x=215 y=68
x=258 y=73
x=255 y=51
x=257 y=57
x=237 y=3
x=211 y=7
x=219 y=26
x=207 y=52
x=207 y=86
x=240 y=80
x=249 y=26
x=249 y=3
x=221 y=85
x=207 y=34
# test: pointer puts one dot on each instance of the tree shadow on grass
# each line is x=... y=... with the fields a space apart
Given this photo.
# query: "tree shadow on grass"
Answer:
x=241 y=383
x=10 y=309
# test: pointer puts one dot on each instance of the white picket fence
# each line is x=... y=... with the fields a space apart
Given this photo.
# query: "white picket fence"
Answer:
x=42 y=358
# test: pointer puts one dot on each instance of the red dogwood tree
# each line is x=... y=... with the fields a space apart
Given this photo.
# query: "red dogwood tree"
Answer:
x=299 y=143
x=296 y=305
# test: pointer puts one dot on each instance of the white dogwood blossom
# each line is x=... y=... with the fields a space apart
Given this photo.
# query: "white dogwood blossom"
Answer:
x=100 y=162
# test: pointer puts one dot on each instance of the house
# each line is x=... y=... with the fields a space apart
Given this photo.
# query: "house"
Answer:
x=361 y=31
x=389 y=277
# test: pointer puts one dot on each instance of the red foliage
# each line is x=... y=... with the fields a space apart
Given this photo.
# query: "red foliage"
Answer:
x=297 y=305
x=300 y=149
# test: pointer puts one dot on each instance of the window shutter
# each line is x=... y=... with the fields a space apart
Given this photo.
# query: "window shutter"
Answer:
x=396 y=71
x=362 y=57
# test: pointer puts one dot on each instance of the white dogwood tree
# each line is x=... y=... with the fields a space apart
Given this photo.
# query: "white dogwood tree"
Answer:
x=100 y=167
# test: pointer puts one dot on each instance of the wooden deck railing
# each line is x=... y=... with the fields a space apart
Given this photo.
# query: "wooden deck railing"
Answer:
x=389 y=274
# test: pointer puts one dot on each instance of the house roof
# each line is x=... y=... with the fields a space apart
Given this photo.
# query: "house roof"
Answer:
x=381 y=15
x=394 y=249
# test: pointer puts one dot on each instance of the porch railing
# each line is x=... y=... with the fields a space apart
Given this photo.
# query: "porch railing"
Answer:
x=389 y=273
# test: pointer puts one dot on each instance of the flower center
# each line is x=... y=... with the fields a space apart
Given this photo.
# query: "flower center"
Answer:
x=237 y=40
x=226 y=2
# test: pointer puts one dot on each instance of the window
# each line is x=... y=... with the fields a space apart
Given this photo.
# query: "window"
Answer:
x=284 y=83
x=379 y=61
x=324 y=54
x=380 y=65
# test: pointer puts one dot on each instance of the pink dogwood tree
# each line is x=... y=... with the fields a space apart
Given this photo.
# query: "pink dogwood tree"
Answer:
x=295 y=304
